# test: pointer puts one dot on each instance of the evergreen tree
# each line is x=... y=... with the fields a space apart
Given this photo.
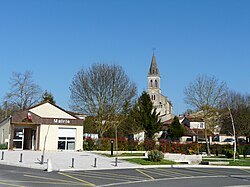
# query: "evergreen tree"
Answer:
x=47 y=96
x=146 y=116
x=176 y=130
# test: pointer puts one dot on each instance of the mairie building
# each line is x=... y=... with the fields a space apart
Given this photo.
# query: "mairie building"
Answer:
x=42 y=127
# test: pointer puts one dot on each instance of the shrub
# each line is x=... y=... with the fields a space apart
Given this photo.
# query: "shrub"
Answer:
x=133 y=145
x=244 y=149
x=89 y=144
x=229 y=153
x=155 y=156
x=3 y=146
x=149 y=145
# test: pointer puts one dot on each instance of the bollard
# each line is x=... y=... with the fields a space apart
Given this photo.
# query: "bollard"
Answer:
x=21 y=157
x=49 y=166
x=116 y=160
x=95 y=162
x=73 y=163
x=112 y=147
x=41 y=162
x=2 y=155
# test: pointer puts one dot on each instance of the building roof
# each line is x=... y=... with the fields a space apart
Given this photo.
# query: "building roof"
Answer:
x=49 y=110
x=46 y=113
x=153 y=70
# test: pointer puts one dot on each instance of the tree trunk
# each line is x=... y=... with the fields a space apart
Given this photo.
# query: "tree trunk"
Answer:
x=232 y=121
x=207 y=143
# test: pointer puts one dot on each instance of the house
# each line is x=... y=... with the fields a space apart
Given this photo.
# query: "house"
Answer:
x=43 y=126
x=194 y=129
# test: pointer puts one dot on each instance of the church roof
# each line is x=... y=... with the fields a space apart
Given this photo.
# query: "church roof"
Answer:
x=153 y=67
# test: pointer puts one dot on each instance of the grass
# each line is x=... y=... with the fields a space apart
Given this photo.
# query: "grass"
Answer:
x=125 y=154
x=145 y=161
x=240 y=162
x=237 y=162
x=132 y=154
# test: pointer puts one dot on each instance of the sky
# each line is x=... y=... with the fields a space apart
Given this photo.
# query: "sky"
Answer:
x=54 y=39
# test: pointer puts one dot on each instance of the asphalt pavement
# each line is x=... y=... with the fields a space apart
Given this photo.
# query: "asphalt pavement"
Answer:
x=72 y=161
x=157 y=177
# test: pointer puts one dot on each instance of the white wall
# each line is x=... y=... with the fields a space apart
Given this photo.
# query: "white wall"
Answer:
x=4 y=131
x=139 y=136
x=197 y=125
x=52 y=138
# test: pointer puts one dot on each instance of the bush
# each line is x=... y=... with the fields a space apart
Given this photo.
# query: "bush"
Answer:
x=155 y=156
x=89 y=144
x=133 y=145
x=3 y=146
x=244 y=149
x=229 y=153
x=149 y=145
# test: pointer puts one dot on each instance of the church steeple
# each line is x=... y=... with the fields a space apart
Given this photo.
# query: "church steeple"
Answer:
x=154 y=76
x=160 y=102
x=153 y=70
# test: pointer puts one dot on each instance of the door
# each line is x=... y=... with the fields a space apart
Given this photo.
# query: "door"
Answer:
x=18 y=138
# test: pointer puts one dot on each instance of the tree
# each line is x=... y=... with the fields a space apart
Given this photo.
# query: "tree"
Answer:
x=24 y=92
x=145 y=116
x=132 y=123
x=176 y=130
x=48 y=96
x=205 y=94
x=240 y=110
x=100 y=92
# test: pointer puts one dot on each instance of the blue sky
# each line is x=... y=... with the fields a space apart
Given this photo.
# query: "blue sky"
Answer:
x=55 y=38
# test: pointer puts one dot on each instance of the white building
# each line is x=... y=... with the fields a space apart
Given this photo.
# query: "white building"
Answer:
x=44 y=125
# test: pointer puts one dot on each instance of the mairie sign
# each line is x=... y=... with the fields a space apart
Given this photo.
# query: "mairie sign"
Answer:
x=64 y=121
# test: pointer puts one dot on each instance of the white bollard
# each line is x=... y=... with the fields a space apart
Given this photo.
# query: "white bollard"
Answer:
x=49 y=166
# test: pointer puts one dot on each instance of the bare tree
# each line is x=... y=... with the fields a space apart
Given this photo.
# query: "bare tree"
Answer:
x=24 y=92
x=101 y=92
x=240 y=110
x=205 y=94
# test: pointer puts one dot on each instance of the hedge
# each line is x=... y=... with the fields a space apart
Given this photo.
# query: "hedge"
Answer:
x=165 y=146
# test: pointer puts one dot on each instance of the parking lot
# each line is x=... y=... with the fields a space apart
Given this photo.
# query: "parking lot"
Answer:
x=17 y=176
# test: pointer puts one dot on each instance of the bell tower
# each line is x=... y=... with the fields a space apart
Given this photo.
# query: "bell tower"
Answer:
x=154 y=81
x=162 y=104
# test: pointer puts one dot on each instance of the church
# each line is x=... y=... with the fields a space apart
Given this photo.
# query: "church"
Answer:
x=162 y=104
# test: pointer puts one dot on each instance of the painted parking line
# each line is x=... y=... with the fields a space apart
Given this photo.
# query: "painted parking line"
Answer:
x=204 y=171
x=161 y=179
x=173 y=172
x=100 y=177
x=150 y=177
x=113 y=175
x=35 y=182
x=246 y=170
x=51 y=179
x=75 y=178
x=9 y=184
x=158 y=173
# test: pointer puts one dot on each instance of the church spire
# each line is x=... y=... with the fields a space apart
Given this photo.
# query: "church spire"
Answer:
x=153 y=67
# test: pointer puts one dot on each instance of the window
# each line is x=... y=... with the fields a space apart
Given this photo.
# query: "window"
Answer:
x=156 y=84
x=66 y=139
x=151 y=83
x=201 y=125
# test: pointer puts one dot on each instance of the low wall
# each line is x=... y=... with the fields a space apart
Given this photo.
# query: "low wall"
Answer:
x=190 y=159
